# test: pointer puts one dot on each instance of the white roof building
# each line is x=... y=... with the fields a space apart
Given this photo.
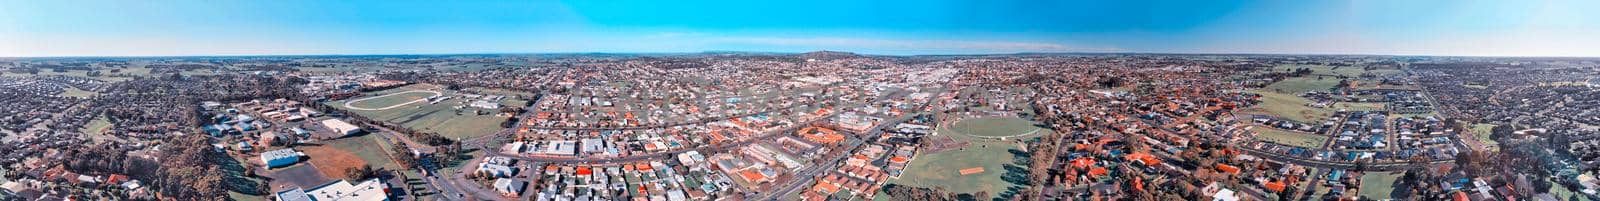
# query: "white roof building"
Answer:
x=341 y=127
x=370 y=190
x=565 y=147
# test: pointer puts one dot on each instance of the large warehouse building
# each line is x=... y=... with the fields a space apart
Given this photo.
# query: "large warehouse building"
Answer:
x=341 y=127
x=280 y=158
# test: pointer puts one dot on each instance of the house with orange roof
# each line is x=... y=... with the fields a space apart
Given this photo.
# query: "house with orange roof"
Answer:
x=1227 y=168
x=1275 y=186
x=1098 y=172
x=1144 y=158
x=753 y=176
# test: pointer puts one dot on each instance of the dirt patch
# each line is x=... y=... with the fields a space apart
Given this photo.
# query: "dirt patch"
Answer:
x=332 y=161
x=969 y=171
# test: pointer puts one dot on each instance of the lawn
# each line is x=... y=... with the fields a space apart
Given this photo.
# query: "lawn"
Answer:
x=1303 y=84
x=994 y=127
x=97 y=125
x=75 y=92
x=1290 y=137
x=1287 y=106
x=441 y=117
x=942 y=169
x=1482 y=131
x=1379 y=185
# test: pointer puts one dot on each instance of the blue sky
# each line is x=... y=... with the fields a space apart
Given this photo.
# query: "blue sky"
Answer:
x=180 y=27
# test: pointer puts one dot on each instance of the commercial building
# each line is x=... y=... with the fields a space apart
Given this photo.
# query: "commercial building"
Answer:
x=508 y=187
x=280 y=157
x=369 y=190
x=341 y=127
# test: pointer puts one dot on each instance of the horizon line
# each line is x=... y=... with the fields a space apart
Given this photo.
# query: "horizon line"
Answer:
x=775 y=52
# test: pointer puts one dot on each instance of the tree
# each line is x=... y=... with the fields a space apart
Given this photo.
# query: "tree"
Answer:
x=359 y=173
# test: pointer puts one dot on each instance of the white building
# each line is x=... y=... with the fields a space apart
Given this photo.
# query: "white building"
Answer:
x=341 y=127
x=370 y=190
x=280 y=157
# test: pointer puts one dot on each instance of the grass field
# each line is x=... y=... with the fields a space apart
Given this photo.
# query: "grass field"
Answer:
x=941 y=169
x=1287 y=106
x=1482 y=131
x=994 y=126
x=75 y=92
x=96 y=125
x=1289 y=137
x=1378 y=185
x=1358 y=106
x=369 y=148
x=402 y=97
x=1303 y=84
x=441 y=117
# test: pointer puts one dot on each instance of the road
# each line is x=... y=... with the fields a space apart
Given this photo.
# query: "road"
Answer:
x=805 y=176
x=652 y=156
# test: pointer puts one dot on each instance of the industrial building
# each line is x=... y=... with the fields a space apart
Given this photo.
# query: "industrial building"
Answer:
x=281 y=157
x=341 y=190
x=341 y=127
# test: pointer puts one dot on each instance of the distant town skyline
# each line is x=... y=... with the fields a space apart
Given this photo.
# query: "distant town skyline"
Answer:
x=207 y=28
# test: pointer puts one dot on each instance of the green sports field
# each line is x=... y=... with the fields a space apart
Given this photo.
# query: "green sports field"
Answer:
x=994 y=126
x=943 y=169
